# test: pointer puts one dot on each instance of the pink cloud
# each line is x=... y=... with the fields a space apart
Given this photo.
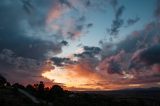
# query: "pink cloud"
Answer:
x=54 y=13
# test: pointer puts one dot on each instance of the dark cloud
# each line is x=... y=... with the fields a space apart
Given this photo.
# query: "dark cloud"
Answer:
x=24 y=44
x=65 y=43
x=130 y=44
x=157 y=10
x=94 y=5
x=95 y=50
x=140 y=39
x=140 y=47
x=89 y=58
x=114 y=67
x=113 y=64
x=27 y=6
x=28 y=47
x=79 y=27
x=58 y=61
x=17 y=35
x=151 y=55
x=117 y=22
x=9 y=57
x=19 y=69
x=148 y=56
x=132 y=21
x=119 y=12
x=89 y=52
x=89 y=25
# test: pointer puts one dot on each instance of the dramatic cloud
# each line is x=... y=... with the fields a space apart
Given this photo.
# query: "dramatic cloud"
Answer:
x=72 y=13
x=113 y=64
x=76 y=75
x=23 y=47
x=22 y=69
x=147 y=56
x=133 y=58
x=31 y=43
x=37 y=33
x=120 y=65
x=124 y=64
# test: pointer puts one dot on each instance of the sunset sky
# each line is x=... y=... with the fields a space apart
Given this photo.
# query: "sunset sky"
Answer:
x=81 y=44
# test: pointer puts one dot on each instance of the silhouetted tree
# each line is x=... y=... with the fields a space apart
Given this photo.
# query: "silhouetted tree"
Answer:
x=41 y=87
x=47 y=89
x=35 y=86
x=30 y=89
x=17 y=85
x=41 y=90
x=2 y=81
x=8 y=84
x=56 y=91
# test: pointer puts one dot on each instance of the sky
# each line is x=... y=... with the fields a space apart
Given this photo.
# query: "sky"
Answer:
x=81 y=44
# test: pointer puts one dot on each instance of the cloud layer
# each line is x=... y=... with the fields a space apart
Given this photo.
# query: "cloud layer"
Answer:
x=31 y=40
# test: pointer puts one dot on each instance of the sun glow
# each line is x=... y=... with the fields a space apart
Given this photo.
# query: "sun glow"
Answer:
x=69 y=78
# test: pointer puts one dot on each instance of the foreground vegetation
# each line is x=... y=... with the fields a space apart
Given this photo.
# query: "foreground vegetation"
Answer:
x=56 y=96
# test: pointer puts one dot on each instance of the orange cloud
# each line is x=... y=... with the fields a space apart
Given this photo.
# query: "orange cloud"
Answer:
x=86 y=75
x=79 y=76
x=83 y=76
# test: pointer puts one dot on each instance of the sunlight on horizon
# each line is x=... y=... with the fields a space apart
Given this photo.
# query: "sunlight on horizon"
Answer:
x=71 y=79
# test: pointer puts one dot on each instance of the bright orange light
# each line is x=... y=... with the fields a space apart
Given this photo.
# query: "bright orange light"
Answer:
x=72 y=79
x=82 y=77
